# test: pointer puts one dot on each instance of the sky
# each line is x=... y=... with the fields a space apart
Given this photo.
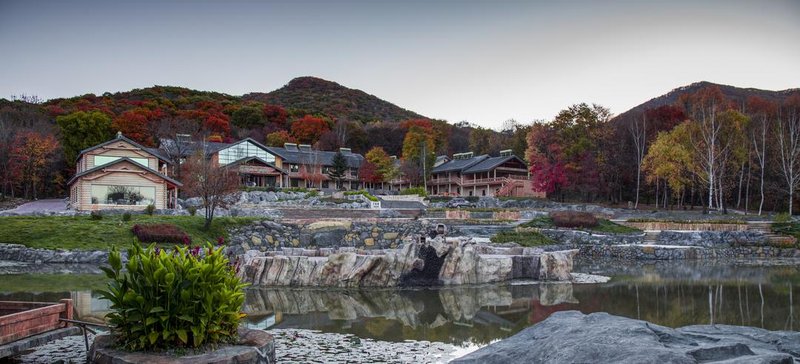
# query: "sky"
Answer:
x=478 y=61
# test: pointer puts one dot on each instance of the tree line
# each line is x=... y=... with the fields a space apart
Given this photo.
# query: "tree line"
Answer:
x=40 y=140
x=704 y=151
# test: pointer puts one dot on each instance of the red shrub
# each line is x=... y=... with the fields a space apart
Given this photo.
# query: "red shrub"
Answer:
x=160 y=233
x=573 y=219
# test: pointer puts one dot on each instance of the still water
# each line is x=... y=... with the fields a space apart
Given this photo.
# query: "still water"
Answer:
x=667 y=293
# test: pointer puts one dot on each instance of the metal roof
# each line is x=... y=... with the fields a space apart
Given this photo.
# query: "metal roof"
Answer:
x=321 y=157
x=458 y=164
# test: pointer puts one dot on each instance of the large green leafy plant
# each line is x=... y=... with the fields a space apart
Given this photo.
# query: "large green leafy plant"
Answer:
x=173 y=298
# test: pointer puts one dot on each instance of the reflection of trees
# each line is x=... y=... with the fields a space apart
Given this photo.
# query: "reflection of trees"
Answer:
x=125 y=194
x=677 y=304
x=460 y=315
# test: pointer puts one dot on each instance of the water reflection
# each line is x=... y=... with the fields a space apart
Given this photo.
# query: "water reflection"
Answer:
x=668 y=293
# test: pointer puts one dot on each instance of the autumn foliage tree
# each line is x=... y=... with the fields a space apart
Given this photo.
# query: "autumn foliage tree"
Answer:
x=279 y=138
x=385 y=169
x=309 y=129
x=32 y=153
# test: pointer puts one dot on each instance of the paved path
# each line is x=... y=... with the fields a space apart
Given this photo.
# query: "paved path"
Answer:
x=40 y=206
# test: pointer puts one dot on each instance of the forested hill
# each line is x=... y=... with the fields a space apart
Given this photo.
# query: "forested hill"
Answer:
x=315 y=95
x=736 y=95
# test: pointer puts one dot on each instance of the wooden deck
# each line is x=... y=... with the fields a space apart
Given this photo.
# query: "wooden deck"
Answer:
x=27 y=324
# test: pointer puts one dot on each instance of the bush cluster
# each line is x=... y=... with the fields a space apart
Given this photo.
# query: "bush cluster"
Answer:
x=366 y=194
x=126 y=216
x=150 y=209
x=192 y=210
x=414 y=191
x=96 y=215
x=160 y=233
x=573 y=219
x=173 y=298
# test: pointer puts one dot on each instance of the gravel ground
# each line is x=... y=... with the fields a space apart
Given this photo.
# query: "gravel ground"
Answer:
x=291 y=346
x=70 y=349
x=309 y=346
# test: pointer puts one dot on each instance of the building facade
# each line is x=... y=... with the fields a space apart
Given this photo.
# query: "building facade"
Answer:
x=121 y=174
x=483 y=175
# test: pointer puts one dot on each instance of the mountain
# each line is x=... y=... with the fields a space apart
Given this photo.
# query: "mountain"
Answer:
x=315 y=95
x=736 y=94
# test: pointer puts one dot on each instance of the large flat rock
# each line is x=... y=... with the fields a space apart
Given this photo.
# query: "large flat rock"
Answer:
x=572 y=337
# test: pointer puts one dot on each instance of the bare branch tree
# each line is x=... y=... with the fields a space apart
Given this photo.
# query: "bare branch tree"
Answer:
x=789 y=146
x=638 y=129
x=214 y=184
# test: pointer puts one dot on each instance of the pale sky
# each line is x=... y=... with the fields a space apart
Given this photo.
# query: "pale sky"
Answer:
x=479 y=61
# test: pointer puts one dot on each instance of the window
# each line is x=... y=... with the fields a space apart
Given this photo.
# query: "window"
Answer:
x=294 y=167
x=243 y=150
x=123 y=195
x=100 y=160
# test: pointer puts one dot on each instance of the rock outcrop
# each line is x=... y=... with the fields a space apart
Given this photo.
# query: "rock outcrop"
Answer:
x=572 y=337
x=435 y=262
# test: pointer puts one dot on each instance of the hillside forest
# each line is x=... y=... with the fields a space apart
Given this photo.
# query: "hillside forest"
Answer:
x=702 y=146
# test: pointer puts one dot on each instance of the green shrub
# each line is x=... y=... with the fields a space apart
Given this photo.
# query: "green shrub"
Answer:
x=312 y=193
x=150 y=209
x=96 y=215
x=573 y=219
x=362 y=192
x=783 y=218
x=414 y=191
x=192 y=210
x=172 y=299
x=126 y=216
x=540 y=222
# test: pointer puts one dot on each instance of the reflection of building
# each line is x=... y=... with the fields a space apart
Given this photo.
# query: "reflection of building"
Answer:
x=88 y=308
x=121 y=174
x=469 y=175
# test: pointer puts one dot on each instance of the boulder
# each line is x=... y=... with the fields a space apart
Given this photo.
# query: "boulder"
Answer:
x=432 y=263
x=572 y=337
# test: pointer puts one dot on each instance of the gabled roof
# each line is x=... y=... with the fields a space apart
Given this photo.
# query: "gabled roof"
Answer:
x=121 y=137
x=247 y=159
x=458 y=164
x=490 y=163
x=324 y=158
x=120 y=160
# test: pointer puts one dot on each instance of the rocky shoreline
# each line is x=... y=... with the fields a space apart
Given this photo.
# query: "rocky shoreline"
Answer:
x=573 y=337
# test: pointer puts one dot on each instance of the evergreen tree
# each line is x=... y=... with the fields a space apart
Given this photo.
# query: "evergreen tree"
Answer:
x=338 y=169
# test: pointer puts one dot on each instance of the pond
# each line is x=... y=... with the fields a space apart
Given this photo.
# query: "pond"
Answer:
x=676 y=293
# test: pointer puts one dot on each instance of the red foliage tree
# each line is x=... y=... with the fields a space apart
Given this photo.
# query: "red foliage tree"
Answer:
x=33 y=153
x=309 y=129
x=134 y=124
x=368 y=172
x=275 y=114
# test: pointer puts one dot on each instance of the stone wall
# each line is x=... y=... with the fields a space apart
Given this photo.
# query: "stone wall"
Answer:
x=655 y=252
x=21 y=253
x=674 y=226
x=375 y=234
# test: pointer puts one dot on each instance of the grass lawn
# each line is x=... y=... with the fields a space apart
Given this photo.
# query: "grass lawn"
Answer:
x=603 y=226
x=83 y=233
x=528 y=238
x=52 y=282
